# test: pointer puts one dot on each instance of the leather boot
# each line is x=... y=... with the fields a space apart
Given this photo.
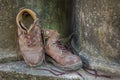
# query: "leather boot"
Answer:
x=29 y=37
x=58 y=54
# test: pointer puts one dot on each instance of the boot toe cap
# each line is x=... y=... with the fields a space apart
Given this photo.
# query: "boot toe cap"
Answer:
x=73 y=60
x=33 y=60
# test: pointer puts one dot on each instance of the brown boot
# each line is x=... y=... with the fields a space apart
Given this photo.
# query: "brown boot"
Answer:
x=58 y=54
x=29 y=37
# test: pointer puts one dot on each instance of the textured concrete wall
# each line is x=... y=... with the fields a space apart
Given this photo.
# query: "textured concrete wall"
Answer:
x=98 y=25
x=8 y=11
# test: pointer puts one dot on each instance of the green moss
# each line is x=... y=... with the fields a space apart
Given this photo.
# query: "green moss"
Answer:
x=53 y=14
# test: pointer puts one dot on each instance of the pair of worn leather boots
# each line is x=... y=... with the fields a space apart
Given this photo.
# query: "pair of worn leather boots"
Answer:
x=33 y=50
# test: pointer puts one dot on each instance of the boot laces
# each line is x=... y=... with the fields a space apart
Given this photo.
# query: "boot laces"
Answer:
x=30 y=40
x=61 y=46
x=64 y=47
x=58 y=73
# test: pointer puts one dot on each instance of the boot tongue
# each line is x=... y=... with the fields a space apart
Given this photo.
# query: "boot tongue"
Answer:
x=23 y=27
x=31 y=28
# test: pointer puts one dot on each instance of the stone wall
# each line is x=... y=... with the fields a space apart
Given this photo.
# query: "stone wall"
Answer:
x=98 y=24
x=8 y=11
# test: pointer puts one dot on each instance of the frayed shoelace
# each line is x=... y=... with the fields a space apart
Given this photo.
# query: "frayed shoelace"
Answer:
x=64 y=47
x=94 y=72
x=86 y=69
x=60 y=45
x=58 y=73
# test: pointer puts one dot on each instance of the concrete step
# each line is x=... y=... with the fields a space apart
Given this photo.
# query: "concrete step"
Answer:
x=12 y=68
x=8 y=56
x=20 y=71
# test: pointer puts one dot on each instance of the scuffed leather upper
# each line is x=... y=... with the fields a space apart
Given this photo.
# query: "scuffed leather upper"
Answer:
x=30 y=42
x=61 y=56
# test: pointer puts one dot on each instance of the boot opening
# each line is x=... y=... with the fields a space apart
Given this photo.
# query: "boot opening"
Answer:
x=22 y=26
x=27 y=20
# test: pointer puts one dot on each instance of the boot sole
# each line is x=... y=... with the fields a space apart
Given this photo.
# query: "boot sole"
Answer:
x=67 y=68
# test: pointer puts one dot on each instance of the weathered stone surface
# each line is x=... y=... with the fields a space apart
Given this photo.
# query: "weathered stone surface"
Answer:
x=8 y=29
x=97 y=23
x=20 y=71
x=8 y=56
x=8 y=11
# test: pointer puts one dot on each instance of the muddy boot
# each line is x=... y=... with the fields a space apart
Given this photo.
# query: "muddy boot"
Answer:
x=29 y=37
x=58 y=54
